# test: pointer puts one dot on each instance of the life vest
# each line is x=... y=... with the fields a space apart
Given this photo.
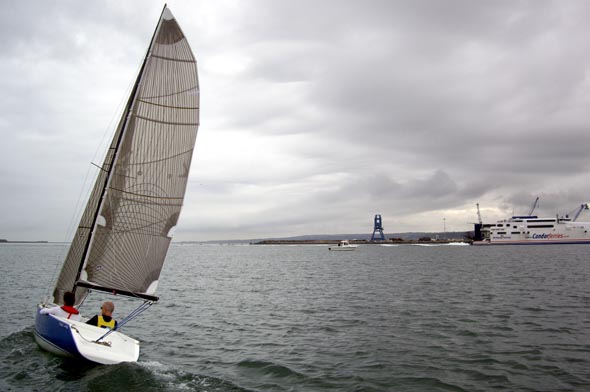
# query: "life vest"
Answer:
x=70 y=310
x=102 y=323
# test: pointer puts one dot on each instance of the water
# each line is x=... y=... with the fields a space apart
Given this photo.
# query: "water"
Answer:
x=301 y=318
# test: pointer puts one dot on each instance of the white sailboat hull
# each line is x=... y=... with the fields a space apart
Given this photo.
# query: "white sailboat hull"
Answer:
x=77 y=339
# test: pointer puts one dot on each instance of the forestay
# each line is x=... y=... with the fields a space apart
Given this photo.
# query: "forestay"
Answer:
x=124 y=233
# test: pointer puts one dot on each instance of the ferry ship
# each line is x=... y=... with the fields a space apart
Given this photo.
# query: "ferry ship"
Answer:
x=532 y=230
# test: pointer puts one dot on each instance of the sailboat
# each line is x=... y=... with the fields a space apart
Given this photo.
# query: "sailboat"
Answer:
x=124 y=233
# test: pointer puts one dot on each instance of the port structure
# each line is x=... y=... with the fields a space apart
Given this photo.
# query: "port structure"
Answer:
x=378 y=227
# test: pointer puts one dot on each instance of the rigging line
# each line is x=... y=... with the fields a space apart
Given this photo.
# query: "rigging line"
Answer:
x=140 y=309
x=119 y=135
x=100 y=168
x=72 y=228
x=79 y=333
x=83 y=299
x=116 y=114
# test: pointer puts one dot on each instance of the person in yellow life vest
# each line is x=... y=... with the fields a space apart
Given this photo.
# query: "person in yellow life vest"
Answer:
x=105 y=319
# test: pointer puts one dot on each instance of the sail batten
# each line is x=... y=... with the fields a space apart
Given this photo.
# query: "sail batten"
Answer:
x=173 y=59
x=123 y=236
x=148 y=196
x=191 y=124
x=167 y=106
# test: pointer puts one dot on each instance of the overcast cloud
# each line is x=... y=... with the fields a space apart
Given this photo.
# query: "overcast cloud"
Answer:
x=316 y=115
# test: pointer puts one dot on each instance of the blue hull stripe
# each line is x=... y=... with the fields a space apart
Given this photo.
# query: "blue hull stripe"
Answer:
x=55 y=333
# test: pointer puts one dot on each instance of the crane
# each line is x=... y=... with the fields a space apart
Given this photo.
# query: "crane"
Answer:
x=580 y=209
x=533 y=207
x=478 y=214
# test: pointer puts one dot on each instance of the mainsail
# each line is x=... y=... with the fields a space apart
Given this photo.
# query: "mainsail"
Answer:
x=125 y=231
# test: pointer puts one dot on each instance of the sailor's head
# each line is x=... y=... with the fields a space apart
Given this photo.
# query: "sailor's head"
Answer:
x=69 y=298
x=107 y=308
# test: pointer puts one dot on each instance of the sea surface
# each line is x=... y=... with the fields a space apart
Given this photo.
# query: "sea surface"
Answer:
x=301 y=318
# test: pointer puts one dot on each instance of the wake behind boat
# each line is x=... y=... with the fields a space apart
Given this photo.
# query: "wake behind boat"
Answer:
x=121 y=242
x=532 y=230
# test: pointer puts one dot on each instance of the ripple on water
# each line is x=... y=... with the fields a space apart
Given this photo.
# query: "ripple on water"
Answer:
x=304 y=319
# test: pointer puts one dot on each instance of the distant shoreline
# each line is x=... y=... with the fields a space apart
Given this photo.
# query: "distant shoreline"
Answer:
x=22 y=242
x=356 y=242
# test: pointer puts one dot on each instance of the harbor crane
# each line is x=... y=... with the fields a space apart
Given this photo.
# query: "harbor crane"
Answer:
x=580 y=209
x=477 y=234
x=478 y=214
x=378 y=227
x=534 y=206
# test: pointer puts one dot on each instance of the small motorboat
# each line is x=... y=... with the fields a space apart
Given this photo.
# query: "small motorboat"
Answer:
x=343 y=245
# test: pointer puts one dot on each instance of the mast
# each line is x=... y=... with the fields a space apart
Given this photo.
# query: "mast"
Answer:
x=122 y=128
x=533 y=207
x=126 y=229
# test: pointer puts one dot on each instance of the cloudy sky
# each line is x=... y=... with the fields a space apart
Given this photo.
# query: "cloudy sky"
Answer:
x=316 y=115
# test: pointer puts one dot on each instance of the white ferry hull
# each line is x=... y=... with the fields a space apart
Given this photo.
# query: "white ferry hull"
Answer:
x=532 y=230
x=532 y=242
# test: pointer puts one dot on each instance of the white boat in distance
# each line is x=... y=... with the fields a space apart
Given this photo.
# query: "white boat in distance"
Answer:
x=343 y=245
x=532 y=230
x=123 y=236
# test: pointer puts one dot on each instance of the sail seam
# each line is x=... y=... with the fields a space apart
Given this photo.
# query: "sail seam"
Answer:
x=173 y=59
x=141 y=230
x=172 y=94
x=164 y=122
x=159 y=160
x=151 y=202
x=168 y=106
x=148 y=196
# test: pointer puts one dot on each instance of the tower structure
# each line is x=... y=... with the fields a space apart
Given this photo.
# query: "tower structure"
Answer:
x=378 y=227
